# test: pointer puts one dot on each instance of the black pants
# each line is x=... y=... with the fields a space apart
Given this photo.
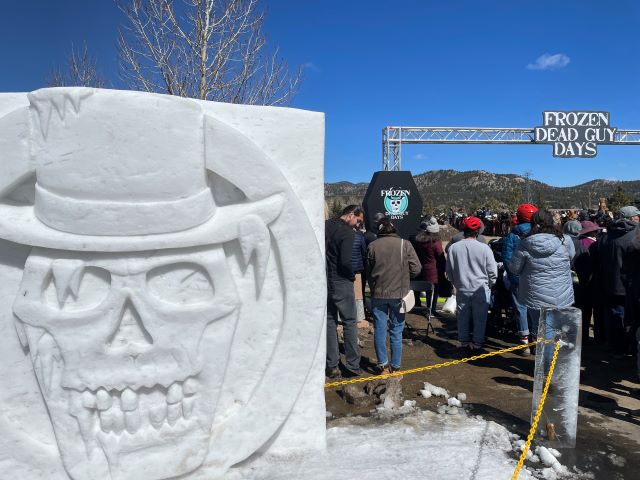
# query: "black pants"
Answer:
x=341 y=301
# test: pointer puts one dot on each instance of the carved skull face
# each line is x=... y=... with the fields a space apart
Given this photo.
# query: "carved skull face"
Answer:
x=116 y=344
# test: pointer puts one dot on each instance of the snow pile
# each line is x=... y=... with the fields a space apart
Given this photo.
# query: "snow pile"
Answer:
x=391 y=410
x=454 y=403
x=432 y=390
x=544 y=464
x=415 y=446
x=617 y=460
x=548 y=457
x=518 y=446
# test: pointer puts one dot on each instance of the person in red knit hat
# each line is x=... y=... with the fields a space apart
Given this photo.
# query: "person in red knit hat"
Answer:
x=473 y=271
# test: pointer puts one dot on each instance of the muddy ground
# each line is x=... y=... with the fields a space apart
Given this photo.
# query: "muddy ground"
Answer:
x=500 y=388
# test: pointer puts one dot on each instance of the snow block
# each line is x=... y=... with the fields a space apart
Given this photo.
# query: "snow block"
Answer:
x=162 y=285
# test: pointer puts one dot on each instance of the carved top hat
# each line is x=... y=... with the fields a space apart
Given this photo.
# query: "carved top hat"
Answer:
x=114 y=171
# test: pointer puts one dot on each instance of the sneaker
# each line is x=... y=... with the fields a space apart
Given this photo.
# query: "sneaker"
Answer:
x=332 y=373
x=525 y=352
x=477 y=349
x=384 y=369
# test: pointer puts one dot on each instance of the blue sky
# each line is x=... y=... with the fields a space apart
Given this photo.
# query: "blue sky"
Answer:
x=421 y=63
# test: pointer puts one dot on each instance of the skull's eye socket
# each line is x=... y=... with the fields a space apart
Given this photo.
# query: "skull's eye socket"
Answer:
x=180 y=283
x=76 y=289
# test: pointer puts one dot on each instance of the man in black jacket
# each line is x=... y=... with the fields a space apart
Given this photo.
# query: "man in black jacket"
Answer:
x=339 y=235
x=632 y=309
x=611 y=253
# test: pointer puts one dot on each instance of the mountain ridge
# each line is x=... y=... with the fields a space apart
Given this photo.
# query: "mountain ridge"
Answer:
x=471 y=189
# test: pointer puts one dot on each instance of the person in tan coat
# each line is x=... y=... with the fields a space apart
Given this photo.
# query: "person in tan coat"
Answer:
x=391 y=262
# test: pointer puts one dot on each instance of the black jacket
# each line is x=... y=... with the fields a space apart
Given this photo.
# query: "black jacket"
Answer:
x=338 y=238
x=581 y=263
x=631 y=274
x=611 y=251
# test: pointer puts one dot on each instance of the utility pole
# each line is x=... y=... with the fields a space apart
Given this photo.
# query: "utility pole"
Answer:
x=527 y=185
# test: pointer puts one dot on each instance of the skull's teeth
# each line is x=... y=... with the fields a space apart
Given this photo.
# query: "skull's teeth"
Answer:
x=128 y=400
x=88 y=400
x=157 y=415
x=174 y=413
x=132 y=411
x=187 y=407
x=112 y=420
x=190 y=386
x=174 y=394
x=103 y=399
x=133 y=421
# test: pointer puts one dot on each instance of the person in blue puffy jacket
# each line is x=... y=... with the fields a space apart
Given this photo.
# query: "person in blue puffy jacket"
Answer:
x=542 y=260
x=511 y=241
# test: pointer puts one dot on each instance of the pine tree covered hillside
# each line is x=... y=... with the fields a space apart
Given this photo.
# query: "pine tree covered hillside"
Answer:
x=442 y=189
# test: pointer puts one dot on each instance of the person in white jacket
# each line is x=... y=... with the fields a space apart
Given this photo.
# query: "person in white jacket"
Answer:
x=472 y=270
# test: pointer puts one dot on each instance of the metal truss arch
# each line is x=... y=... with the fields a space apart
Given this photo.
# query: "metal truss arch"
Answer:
x=394 y=137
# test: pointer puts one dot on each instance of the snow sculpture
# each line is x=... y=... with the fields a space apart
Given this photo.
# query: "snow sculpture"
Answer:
x=165 y=281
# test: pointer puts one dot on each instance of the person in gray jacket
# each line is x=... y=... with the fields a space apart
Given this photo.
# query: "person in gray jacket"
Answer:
x=542 y=259
x=391 y=261
x=472 y=269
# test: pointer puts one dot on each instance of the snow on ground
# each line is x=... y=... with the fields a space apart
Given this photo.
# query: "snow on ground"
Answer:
x=407 y=443
x=390 y=444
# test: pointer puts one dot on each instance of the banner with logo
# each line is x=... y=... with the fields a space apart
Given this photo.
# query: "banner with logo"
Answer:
x=395 y=195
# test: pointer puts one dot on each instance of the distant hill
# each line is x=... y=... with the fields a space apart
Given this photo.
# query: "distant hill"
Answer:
x=442 y=189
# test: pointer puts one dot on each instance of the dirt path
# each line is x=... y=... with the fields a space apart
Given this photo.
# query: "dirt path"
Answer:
x=500 y=388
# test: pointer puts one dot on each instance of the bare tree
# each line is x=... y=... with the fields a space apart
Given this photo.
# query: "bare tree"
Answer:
x=81 y=71
x=206 y=49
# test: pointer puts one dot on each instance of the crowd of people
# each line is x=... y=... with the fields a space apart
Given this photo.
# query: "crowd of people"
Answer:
x=547 y=260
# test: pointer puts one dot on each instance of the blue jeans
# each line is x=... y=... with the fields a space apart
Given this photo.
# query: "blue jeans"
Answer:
x=472 y=306
x=550 y=331
x=387 y=310
x=521 y=314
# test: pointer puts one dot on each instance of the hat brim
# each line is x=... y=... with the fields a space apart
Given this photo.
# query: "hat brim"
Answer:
x=589 y=230
x=19 y=224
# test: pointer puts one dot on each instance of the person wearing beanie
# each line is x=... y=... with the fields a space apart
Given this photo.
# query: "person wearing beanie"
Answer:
x=511 y=241
x=610 y=265
x=472 y=269
x=428 y=247
x=572 y=229
x=460 y=235
x=592 y=303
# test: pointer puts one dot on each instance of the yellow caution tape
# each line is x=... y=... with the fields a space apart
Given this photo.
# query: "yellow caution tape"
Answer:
x=433 y=367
